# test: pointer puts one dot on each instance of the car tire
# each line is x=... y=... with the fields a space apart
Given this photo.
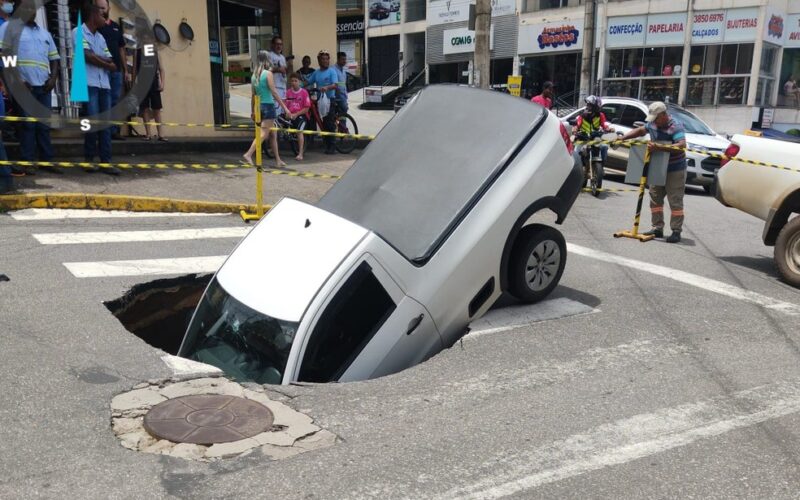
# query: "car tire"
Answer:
x=787 y=252
x=537 y=262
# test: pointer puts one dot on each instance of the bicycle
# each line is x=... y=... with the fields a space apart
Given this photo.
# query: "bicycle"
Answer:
x=345 y=124
x=592 y=158
x=284 y=135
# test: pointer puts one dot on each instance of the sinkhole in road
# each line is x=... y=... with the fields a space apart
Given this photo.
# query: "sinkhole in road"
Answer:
x=159 y=312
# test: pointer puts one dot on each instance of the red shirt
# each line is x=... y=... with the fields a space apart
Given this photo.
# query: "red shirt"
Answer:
x=544 y=101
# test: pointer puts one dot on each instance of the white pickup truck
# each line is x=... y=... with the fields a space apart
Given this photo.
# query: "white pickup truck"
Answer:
x=771 y=194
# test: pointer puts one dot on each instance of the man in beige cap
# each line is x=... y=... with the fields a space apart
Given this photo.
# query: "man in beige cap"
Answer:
x=665 y=134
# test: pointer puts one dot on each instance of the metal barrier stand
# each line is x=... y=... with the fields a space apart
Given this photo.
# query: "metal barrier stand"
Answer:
x=259 y=170
x=634 y=234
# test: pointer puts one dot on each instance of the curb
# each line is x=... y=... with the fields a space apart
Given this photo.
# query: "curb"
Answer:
x=119 y=202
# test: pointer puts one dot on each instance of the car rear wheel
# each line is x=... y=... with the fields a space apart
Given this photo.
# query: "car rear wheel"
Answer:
x=537 y=262
x=787 y=252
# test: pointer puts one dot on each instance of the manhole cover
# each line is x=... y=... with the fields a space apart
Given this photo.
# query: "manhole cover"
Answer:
x=207 y=419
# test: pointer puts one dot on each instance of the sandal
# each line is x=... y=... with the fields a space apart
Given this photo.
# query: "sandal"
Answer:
x=162 y=139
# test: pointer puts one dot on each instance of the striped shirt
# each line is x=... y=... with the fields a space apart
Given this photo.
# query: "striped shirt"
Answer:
x=36 y=50
x=96 y=44
x=671 y=134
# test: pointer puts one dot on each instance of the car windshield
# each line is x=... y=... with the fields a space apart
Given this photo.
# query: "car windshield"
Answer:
x=242 y=342
x=691 y=123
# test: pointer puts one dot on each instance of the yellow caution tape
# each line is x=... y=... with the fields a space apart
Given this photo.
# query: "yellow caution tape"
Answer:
x=167 y=166
x=78 y=121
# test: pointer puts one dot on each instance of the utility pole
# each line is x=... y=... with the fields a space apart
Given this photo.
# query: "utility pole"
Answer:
x=587 y=59
x=481 y=61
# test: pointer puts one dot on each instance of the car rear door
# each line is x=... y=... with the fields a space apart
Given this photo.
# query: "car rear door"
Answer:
x=367 y=328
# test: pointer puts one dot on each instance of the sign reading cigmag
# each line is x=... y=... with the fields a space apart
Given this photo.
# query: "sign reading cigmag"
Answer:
x=129 y=102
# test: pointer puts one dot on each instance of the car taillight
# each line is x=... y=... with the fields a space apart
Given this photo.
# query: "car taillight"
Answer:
x=732 y=151
x=565 y=136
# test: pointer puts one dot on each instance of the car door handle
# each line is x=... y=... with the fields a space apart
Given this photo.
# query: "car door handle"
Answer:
x=414 y=324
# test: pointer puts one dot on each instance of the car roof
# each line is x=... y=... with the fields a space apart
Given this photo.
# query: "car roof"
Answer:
x=431 y=164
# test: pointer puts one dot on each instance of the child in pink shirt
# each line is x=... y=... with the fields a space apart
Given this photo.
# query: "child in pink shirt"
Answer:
x=298 y=102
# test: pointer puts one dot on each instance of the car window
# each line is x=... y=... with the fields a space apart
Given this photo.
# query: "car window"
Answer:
x=691 y=123
x=631 y=115
x=349 y=322
x=613 y=112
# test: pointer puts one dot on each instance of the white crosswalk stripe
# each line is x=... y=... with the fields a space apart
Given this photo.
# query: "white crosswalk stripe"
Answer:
x=140 y=236
x=144 y=267
x=41 y=214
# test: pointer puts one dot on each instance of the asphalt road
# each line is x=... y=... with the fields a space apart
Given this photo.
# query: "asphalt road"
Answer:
x=678 y=376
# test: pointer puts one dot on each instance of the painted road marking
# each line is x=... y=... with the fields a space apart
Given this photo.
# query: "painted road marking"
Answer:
x=629 y=439
x=508 y=318
x=187 y=265
x=33 y=214
x=690 y=279
x=138 y=236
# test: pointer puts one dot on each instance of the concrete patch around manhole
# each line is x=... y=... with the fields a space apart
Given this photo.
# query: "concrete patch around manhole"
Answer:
x=291 y=432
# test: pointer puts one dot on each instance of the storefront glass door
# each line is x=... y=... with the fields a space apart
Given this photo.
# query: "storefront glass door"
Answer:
x=561 y=69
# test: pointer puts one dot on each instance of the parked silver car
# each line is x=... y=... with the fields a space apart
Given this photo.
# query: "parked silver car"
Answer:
x=624 y=113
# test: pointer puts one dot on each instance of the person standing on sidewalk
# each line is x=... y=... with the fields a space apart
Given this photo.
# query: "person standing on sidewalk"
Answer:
x=120 y=77
x=665 y=134
x=546 y=97
x=279 y=69
x=99 y=65
x=38 y=66
x=325 y=78
x=306 y=69
x=341 y=88
x=150 y=108
x=264 y=88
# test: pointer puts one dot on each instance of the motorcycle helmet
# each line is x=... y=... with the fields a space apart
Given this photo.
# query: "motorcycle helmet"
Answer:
x=593 y=103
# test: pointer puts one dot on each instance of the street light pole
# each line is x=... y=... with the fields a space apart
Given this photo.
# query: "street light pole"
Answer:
x=588 y=50
x=483 y=22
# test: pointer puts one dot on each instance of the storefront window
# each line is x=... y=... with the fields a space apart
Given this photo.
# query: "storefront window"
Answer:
x=790 y=69
x=711 y=74
x=656 y=70
x=534 y=5
x=415 y=10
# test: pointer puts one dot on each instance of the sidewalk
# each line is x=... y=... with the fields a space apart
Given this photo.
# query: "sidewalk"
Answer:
x=232 y=186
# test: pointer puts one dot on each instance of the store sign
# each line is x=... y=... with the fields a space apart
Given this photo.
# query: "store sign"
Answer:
x=792 y=35
x=774 y=27
x=708 y=27
x=741 y=25
x=453 y=11
x=384 y=12
x=666 y=29
x=350 y=27
x=550 y=37
x=462 y=40
x=627 y=31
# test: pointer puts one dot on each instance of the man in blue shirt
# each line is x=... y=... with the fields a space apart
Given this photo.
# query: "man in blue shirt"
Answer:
x=341 y=74
x=99 y=65
x=37 y=63
x=325 y=79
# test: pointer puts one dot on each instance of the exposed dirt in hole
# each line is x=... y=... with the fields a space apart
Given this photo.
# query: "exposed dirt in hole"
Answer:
x=159 y=312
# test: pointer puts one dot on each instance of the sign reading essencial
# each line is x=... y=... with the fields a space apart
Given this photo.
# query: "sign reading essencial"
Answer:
x=550 y=37
x=463 y=40
x=792 y=31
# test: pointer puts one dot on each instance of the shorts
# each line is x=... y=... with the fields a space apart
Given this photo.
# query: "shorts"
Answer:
x=299 y=123
x=151 y=101
x=268 y=112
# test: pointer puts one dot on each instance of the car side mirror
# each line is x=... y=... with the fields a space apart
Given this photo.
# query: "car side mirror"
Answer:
x=638 y=124
x=572 y=121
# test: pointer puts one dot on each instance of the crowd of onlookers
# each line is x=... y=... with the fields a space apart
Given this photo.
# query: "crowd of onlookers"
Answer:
x=38 y=68
x=282 y=91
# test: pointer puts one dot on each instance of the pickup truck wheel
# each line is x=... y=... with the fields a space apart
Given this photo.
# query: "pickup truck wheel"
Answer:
x=787 y=252
x=537 y=262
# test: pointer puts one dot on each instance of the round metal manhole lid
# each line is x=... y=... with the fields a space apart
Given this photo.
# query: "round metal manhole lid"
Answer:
x=207 y=419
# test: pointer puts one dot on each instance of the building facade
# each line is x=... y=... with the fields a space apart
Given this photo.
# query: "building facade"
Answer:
x=726 y=60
